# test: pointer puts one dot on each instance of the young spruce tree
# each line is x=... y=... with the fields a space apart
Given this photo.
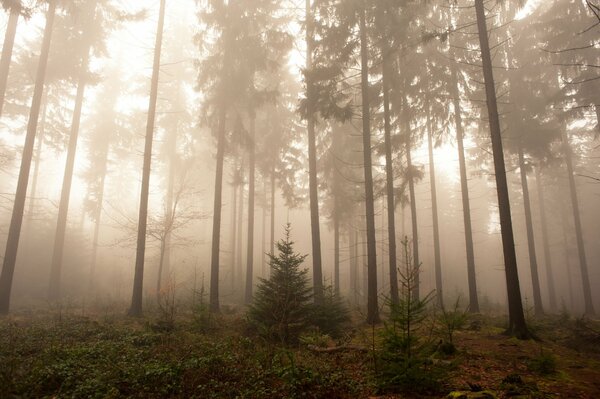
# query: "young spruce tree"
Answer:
x=281 y=308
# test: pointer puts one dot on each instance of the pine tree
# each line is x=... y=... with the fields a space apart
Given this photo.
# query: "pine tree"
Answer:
x=282 y=304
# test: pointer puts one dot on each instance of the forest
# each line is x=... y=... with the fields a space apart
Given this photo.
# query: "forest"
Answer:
x=300 y=199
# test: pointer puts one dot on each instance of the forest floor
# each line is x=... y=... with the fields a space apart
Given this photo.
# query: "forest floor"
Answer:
x=56 y=353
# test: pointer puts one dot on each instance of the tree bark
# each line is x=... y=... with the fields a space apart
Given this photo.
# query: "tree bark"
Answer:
x=352 y=233
x=535 y=279
x=336 y=254
x=434 y=214
x=372 y=306
x=65 y=195
x=14 y=232
x=312 y=168
x=232 y=234
x=217 y=207
x=517 y=324
x=37 y=161
x=7 y=50
x=272 y=248
x=546 y=241
x=138 y=280
x=585 y=280
x=389 y=174
x=413 y=206
x=464 y=189
x=251 y=192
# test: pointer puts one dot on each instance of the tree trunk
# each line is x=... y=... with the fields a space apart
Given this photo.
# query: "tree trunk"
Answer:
x=161 y=263
x=170 y=214
x=272 y=248
x=434 y=214
x=7 y=49
x=138 y=280
x=263 y=230
x=546 y=241
x=535 y=279
x=466 y=203
x=251 y=189
x=585 y=280
x=413 y=207
x=336 y=254
x=372 y=306
x=232 y=234
x=14 y=232
x=217 y=206
x=240 y=223
x=517 y=324
x=65 y=195
x=389 y=174
x=312 y=168
x=37 y=161
x=353 y=251
x=567 y=250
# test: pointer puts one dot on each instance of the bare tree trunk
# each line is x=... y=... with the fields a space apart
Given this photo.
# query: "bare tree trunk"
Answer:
x=217 y=207
x=546 y=241
x=517 y=324
x=63 y=208
x=372 y=306
x=535 y=279
x=353 y=254
x=413 y=206
x=138 y=280
x=585 y=280
x=567 y=249
x=251 y=192
x=14 y=232
x=232 y=234
x=336 y=254
x=272 y=248
x=434 y=214
x=37 y=161
x=170 y=214
x=466 y=203
x=7 y=49
x=389 y=174
x=312 y=168
x=263 y=260
x=240 y=224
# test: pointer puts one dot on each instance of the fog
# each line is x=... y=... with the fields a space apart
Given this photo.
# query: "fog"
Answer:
x=231 y=98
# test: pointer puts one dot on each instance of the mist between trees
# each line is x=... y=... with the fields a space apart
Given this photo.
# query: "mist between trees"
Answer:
x=150 y=146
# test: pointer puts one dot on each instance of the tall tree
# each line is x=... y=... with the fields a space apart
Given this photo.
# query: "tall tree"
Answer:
x=517 y=325
x=63 y=208
x=14 y=8
x=14 y=232
x=138 y=279
x=312 y=163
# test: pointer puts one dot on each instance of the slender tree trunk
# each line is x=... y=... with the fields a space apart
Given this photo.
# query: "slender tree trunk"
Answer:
x=353 y=251
x=263 y=231
x=535 y=279
x=372 y=306
x=138 y=280
x=413 y=206
x=37 y=161
x=546 y=241
x=585 y=280
x=217 y=207
x=170 y=215
x=517 y=324
x=336 y=254
x=161 y=263
x=389 y=174
x=65 y=195
x=272 y=248
x=434 y=214
x=232 y=234
x=240 y=233
x=7 y=49
x=466 y=203
x=312 y=168
x=14 y=232
x=567 y=249
x=251 y=192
